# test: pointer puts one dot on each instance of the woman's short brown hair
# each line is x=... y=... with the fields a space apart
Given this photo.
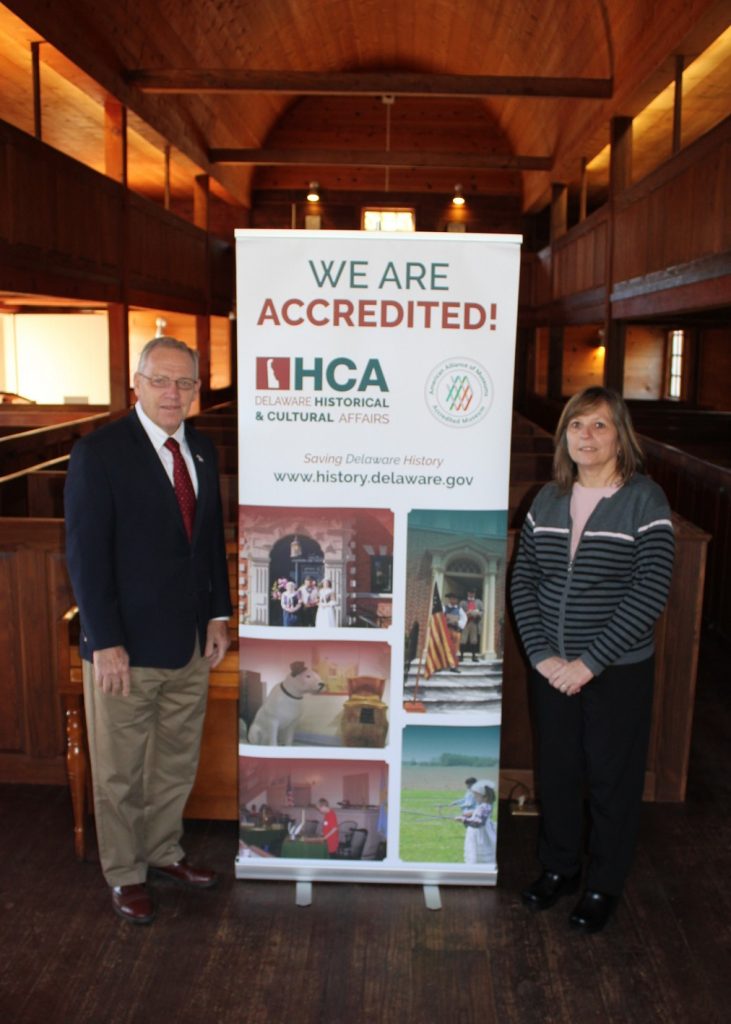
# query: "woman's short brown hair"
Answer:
x=630 y=459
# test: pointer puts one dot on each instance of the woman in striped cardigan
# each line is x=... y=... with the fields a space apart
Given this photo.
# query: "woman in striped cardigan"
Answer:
x=590 y=579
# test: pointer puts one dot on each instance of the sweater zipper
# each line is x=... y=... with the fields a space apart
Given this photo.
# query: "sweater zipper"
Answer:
x=569 y=573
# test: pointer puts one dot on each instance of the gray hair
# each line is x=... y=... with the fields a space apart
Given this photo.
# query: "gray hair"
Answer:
x=169 y=343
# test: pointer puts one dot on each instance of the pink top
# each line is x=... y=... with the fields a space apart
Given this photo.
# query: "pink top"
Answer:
x=583 y=502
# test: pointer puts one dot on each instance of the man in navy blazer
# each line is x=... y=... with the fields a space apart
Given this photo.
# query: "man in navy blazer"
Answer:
x=154 y=602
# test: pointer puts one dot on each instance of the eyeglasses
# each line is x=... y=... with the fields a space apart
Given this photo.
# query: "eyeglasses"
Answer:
x=182 y=383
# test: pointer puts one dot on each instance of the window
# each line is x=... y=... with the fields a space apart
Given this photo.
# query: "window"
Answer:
x=388 y=219
x=674 y=385
x=381 y=574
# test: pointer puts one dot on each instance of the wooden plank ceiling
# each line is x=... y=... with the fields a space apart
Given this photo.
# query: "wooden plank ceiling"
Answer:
x=503 y=97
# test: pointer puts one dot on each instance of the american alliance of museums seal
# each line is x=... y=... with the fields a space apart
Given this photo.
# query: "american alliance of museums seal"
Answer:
x=459 y=392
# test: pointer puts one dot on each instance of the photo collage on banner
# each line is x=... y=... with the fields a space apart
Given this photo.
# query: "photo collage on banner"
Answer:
x=375 y=404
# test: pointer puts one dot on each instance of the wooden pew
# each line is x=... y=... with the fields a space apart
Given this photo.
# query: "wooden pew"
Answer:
x=36 y=492
x=38 y=445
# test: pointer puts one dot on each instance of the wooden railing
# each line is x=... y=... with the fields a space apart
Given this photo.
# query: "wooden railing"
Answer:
x=671 y=230
x=67 y=230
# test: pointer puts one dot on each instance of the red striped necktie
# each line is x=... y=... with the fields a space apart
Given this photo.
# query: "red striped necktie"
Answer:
x=183 y=486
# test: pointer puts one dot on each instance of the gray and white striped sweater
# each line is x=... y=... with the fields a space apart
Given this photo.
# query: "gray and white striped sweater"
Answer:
x=601 y=607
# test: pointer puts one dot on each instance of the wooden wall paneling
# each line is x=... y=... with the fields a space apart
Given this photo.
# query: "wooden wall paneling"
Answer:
x=40 y=593
x=679 y=213
x=714 y=368
x=119 y=371
x=677 y=663
x=66 y=230
x=11 y=691
x=166 y=257
x=221 y=274
x=581 y=256
x=583 y=359
x=644 y=361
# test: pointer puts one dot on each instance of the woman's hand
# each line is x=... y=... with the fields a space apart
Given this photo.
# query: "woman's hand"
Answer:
x=570 y=677
x=550 y=666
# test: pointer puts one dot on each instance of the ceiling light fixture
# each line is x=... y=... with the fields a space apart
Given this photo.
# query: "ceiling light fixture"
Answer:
x=458 y=199
x=313 y=193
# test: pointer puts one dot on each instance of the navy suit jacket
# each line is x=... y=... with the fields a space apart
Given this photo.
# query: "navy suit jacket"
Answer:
x=138 y=581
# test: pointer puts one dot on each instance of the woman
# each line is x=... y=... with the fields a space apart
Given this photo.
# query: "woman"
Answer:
x=480 y=831
x=326 y=606
x=591 y=577
x=291 y=605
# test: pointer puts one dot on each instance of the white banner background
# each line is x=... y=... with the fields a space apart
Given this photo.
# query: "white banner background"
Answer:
x=370 y=419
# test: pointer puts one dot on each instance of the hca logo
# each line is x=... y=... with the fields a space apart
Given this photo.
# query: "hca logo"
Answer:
x=278 y=373
x=272 y=374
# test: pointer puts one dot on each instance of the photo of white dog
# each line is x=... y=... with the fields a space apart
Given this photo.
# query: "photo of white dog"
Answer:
x=275 y=722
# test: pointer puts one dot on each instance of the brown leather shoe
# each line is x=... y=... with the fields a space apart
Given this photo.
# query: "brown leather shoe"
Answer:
x=133 y=903
x=185 y=874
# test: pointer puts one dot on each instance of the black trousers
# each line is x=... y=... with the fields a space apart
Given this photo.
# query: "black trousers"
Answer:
x=595 y=741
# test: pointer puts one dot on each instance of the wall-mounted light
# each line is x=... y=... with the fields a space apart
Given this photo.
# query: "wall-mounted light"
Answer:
x=295 y=548
x=458 y=199
x=313 y=193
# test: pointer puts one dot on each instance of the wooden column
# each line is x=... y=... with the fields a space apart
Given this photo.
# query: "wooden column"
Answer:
x=119 y=383
x=35 y=53
x=584 y=184
x=203 y=346
x=559 y=211
x=614 y=356
x=201 y=200
x=167 y=178
x=620 y=158
x=678 y=103
x=555 y=362
x=620 y=178
x=115 y=166
x=115 y=140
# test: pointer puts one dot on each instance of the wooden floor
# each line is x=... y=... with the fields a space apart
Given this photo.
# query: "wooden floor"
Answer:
x=245 y=954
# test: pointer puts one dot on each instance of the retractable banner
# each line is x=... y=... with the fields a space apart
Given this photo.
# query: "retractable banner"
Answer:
x=375 y=399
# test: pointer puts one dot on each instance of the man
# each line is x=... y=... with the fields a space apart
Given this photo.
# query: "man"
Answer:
x=309 y=596
x=473 y=609
x=147 y=560
x=330 y=831
x=456 y=619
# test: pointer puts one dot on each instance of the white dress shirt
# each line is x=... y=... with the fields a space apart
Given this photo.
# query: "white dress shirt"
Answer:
x=158 y=437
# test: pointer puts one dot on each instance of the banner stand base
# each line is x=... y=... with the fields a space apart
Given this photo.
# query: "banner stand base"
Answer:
x=303 y=894
x=432 y=897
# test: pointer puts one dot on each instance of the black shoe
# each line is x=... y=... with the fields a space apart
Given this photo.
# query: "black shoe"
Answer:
x=547 y=889
x=592 y=911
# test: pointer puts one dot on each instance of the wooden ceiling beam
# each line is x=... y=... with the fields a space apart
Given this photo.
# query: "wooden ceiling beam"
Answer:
x=376 y=158
x=364 y=83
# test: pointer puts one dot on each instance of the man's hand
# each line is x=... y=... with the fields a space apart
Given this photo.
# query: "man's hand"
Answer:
x=217 y=641
x=111 y=671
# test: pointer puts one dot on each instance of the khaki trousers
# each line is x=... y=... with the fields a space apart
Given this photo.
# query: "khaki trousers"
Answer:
x=144 y=752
